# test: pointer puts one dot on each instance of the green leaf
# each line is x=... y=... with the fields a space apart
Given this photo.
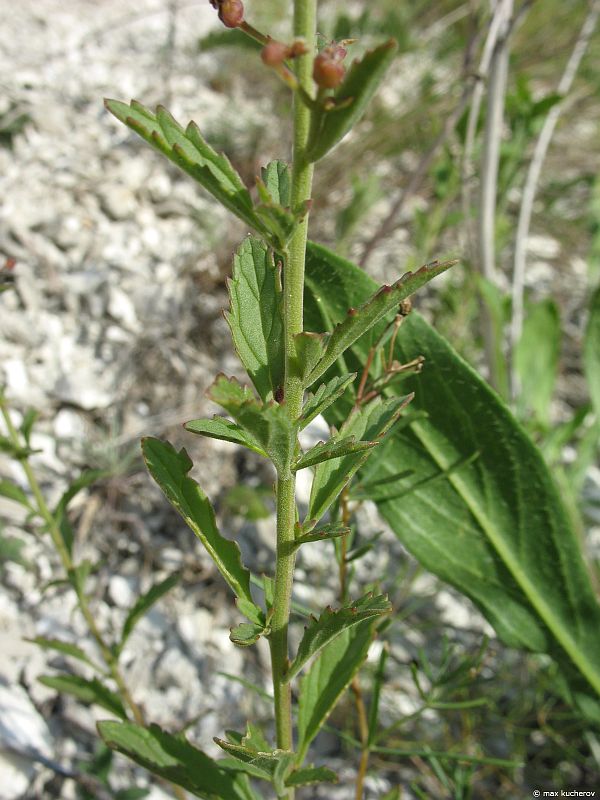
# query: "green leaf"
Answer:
x=360 y=320
x=270 y=765
x=330 y=531
x=496 y=528
x=267 y=423
x=224 y=429
x=13 y=492
x=78 y=576
x=27 y=424
x=591 y=351
x=360 y=84
x=88 y=691
x=309 y=348
x=144 y=603
x=192 y=154
x=536 y=358
x=251 y=611
x=10 y=550
x=325 y=395
x=320 y=632
x=169 y=469
x=276 y=178
x=173 y=758
x=336 y=447
x=86 y=479
x=306 y=776
x=14 y=450
x=67 y=648
x=246 y=634
x=370 y=422
x=326 y=680
x=255 y=317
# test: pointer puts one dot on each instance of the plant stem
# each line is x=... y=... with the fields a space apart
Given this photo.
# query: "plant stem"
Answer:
x=305 y=14
x=68 y=565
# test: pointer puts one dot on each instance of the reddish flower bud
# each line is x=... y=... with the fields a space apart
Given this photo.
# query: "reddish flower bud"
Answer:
x=231 y=13
x=275 y=53
x=328 y=72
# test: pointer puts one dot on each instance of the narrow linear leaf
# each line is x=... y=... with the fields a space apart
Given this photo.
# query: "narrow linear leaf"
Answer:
x=325 y=395
x=327 y=679
x=360 y=84
x=11 y=491
x=67 y=648
x=226 y=430
x=371 y=422
x=591 y=352
x=14 y=450
x=270 y=765
x=496 y=529
x=169 y=469
x=320 y=632
x=336 y=447
x=88 y=691
x=189 y=151
x=267 y=423
x=255 y=317
x=144 y=603
x=362 y=319
x=86 y=479
x=173 y=758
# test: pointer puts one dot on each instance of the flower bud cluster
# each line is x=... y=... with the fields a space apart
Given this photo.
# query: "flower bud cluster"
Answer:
x=274 y=53
x=328 y=69
x=231 y=12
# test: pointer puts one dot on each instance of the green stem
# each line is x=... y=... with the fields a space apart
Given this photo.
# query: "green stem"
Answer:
x=305 y=13
x=57 y=540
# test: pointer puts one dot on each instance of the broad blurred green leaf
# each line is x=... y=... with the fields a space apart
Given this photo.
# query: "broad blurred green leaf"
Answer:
x=591 y=351
x=536 y=358
x=495 y=528
x=144 y=603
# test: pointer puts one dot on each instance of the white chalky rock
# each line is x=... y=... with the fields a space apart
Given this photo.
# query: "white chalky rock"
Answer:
x=120 y=591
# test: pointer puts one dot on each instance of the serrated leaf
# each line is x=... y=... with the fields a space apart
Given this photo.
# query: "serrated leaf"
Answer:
x=325 y=395
x=277 y=180
x=362 y=319
x=144 y=603
x=330 y=531
x=306 y=776
x=11 y=491
x=192 y=154
x=267 y=423
x=88 y=691
x=354 y=94
x=246 y=634
x=336 y=447
x=320 y=632
x=226 y=430
x=271 y=765
x=370 y=422
x=172 y=757
x=68 y=648
x=255 y=317
x=591 y=352
x=327 y=679
x=496 y=528
x=169 y=469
